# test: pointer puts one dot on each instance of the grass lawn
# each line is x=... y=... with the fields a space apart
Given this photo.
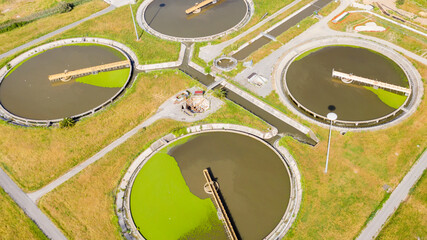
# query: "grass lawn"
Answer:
x=161 y=199
x=88 y=198
x=410 y=219
x=14 y=224
x=391 y=99
x=110 y=79
x=26 y=33
x=117 y=25
x=36 y=156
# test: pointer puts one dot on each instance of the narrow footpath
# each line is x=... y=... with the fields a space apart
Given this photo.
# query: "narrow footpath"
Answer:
x=51 y=34
x=399 y=195
x=30 y=208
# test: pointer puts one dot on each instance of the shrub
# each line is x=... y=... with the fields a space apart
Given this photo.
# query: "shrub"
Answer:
x=67 y=122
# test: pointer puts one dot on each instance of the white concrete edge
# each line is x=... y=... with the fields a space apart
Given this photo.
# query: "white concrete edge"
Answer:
x=123 y=192
x=412 y=74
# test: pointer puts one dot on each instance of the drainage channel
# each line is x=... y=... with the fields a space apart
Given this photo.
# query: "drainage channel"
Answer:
x=281 y=126
x=246 y=51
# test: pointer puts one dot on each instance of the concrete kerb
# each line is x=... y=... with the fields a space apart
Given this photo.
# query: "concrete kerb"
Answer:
x=140 y=17
x=151 y=67
x=22 y=57
x=129 y=229
x=403 y=112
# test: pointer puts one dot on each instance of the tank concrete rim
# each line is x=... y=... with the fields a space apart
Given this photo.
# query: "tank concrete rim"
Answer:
x=392 y=119
x=279 y=231
x=143 y=24
x=60 y=43
x=226 y=69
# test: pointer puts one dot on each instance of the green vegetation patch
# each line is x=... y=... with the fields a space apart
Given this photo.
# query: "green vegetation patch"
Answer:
x=393 y=100
x=110 y=79
x=163 y=206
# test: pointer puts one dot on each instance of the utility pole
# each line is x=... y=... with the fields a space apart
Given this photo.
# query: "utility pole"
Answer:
x=133 y=19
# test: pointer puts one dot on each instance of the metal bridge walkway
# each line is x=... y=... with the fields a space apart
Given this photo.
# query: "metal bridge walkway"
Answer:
x=86 y=71
x=348 y=78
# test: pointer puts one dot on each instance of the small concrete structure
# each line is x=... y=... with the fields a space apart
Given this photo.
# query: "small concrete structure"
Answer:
x=225 y=63
x=196 y=103
x=257 y=80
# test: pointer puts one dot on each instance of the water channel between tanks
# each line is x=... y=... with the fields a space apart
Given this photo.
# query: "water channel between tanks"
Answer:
x=27 y=92
x=309 y=80
x=253 y=179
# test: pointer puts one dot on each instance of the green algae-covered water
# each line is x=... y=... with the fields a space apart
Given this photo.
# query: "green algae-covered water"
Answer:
x=168 y=200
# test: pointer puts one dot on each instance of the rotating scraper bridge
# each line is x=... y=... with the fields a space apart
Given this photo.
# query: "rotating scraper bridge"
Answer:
x=66 y=76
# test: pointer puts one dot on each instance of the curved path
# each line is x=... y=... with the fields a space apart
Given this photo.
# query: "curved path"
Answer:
x=399 y=195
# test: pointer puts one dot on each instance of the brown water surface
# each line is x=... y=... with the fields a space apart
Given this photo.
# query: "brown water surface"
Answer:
x=28 y=93
x=168 y=17
x=252 y=177
x=310 y=81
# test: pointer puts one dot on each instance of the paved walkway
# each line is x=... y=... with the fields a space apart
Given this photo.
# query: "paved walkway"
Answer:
x=399 y=194
x=49 y=35
x=30 y=208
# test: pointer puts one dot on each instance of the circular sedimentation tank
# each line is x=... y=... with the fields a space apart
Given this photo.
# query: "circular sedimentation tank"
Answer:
x=27 y=93
x=312 y=89
x=168 y=19
x=168 y=198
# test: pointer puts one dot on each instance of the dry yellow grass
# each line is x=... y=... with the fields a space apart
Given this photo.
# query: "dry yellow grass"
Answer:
x=19 y=36
x=83 y=206
x=21 y=8
x=35 y=156
x=407 y=39
x=337 y=204
x=14 y=224
x=117 y=25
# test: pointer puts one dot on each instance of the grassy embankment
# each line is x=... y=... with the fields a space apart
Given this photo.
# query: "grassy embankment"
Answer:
x=14 y=224
x=161 y=199
x=413 y=6
x=337 y=205
x=88 y=198
x=395 y=34
x=26 y=33
x=410 y=219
